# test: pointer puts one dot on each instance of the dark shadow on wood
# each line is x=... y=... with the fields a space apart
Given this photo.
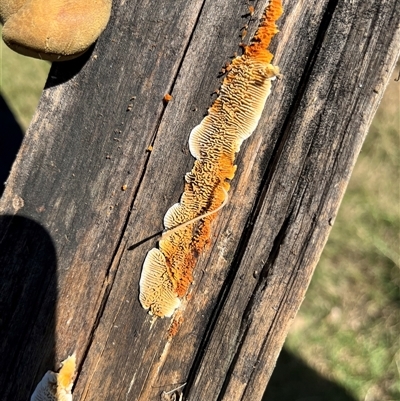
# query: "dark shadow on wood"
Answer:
x=10 y=140
x=64 y=71
x=28 y=296
x=293 y=380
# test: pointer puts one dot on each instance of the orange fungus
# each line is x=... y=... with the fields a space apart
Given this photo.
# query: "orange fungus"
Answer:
x=168 y=270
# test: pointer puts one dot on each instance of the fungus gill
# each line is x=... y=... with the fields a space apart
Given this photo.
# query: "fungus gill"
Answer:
x=168 y=271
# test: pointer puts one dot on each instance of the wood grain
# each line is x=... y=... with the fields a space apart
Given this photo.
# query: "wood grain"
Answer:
x=77 y=232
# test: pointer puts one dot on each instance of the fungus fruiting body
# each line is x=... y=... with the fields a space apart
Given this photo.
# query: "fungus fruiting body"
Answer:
x=57 y=386
x=54 y=30
x=167 y=98
x=168 y=270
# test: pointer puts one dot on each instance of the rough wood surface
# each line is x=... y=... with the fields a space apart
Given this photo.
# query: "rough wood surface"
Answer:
x=72 y=242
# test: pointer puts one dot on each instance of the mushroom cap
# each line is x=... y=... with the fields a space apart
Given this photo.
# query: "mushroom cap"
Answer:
x=9 y=7
x=53 y=30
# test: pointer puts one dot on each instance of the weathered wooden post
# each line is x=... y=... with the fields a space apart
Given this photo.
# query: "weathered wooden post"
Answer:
x=86 y=196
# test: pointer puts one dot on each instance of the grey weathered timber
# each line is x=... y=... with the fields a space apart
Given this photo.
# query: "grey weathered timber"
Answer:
x=72 y=242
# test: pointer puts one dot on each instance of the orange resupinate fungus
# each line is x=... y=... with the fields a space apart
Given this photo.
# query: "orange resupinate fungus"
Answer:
x=168 y=270
x=57 y=386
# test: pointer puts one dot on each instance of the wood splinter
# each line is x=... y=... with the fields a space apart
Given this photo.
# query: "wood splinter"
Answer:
x=173 y=394
x=168 y=270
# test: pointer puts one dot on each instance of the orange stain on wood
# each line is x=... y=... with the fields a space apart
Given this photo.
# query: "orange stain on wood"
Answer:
x=175 y=326
x=168 y=271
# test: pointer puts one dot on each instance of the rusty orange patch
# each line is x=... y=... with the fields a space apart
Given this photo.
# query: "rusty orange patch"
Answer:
x=175 y=326
x=167 y=98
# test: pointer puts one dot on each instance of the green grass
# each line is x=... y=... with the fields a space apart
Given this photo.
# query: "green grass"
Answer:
x=348 y=327
x=21 y=83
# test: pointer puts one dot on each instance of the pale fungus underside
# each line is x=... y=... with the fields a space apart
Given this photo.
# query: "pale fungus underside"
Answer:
x=168 y=271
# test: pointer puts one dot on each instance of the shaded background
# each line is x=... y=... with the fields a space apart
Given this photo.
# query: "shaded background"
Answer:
x=344 y=343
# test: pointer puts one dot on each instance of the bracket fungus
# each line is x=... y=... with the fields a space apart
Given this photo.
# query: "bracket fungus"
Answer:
x=57 y=386
x=168 y=270
x=54 y=30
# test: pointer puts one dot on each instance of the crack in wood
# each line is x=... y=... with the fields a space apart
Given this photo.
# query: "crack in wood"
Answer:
x=154 y=136
x=263 y=189
x=107 y=287
x=253 y=301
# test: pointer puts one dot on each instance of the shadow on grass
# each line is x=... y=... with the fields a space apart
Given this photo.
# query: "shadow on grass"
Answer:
x=10 y=141
x=293 y=380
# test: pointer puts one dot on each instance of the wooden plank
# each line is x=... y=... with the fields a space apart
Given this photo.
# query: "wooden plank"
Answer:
x=299 y=195
x=83 y=145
